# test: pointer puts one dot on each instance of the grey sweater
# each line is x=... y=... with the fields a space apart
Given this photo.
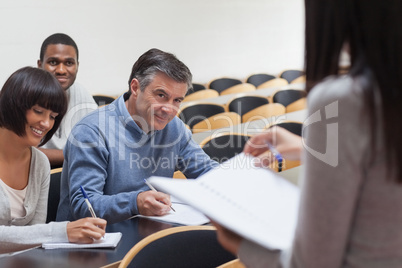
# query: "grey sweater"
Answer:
x=351 y=209
x=31 y=229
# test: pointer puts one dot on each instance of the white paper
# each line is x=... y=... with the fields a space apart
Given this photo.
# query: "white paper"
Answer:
x=184 y=215
x=253 y=202
x=109 y=241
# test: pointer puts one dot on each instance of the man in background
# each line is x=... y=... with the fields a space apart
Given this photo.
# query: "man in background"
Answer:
x=59 y=56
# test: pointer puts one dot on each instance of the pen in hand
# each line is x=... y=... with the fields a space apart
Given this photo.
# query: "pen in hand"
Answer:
x=90 y=208
x=153 y=189
x=277 y=155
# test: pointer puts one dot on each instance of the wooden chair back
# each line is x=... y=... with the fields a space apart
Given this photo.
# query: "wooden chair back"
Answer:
x=184 y=246
x=264 y=111
x=276 y=82
x=221 y=120
x=201 y=94
x=258 y=79
x=298 y=105
x=244 y=87
x=54 y=194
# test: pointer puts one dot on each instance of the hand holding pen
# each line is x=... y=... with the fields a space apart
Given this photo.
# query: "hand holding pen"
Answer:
x=86 y=230
x=276 y=154
x=153 y=189
x=275 y=141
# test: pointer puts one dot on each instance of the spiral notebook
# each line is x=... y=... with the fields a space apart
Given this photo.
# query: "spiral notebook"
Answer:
x=109 y=241
x=254 y=202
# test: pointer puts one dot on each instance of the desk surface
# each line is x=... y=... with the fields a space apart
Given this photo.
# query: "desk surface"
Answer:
x=133 y=231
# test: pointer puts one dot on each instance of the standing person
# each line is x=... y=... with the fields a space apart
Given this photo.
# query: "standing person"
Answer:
x=59 y=56
x=111 y=152
x=32 y=105
x=351 y=202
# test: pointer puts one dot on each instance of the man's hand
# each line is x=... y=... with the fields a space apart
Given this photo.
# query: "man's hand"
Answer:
x=151 y=203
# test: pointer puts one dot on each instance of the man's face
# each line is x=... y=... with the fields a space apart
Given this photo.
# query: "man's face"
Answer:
x=61 y=61
x=158 y=104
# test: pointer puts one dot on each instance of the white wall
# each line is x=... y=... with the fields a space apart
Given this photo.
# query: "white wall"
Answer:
x=213 y=37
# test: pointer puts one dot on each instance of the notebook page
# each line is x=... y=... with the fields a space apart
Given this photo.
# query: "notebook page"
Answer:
x=184 y=215
x=253 y=202
x=109 y=241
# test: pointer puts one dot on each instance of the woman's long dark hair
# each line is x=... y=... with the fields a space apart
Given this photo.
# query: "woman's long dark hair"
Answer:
x=373 y=31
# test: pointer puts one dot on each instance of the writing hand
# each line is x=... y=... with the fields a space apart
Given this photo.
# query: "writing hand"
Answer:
x=152 y=203
x=86 y=230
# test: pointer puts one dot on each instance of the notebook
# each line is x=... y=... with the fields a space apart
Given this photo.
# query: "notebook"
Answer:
x=109 y=241
x=184 y=215
x=254 y=202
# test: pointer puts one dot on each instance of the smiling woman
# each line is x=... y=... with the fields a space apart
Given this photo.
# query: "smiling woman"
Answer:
x=32 y=105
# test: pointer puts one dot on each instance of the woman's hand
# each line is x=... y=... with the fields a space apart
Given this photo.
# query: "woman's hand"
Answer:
x=229 y=240
x=286 y=143
x=85 y=231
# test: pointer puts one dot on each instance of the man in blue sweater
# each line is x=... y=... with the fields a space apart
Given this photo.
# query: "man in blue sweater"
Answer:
x=112 y=150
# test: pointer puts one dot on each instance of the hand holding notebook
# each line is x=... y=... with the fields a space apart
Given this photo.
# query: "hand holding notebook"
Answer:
x=253 y=202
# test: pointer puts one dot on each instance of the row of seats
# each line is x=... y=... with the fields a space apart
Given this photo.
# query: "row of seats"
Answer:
x=227 y=85
x=225 y=145
x=206 y=116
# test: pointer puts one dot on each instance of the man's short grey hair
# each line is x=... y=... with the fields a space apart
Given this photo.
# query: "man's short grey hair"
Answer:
x=154 y=61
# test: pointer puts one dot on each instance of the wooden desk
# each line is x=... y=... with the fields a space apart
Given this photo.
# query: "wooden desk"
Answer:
x=133 y=231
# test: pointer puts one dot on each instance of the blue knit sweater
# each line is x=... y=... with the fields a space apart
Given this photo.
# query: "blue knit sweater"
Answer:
x=110 y=155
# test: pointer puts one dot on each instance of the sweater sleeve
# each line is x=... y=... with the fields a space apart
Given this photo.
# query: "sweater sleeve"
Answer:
x=87 y=160
x=33 y=234
x=41 y=208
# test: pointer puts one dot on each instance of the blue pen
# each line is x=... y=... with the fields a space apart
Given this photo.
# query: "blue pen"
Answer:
x=90 y=208
x=277 y=155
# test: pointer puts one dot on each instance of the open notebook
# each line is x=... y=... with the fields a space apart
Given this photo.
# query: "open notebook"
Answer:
x=254 y=202
x=109 y=241
x=184 y=215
